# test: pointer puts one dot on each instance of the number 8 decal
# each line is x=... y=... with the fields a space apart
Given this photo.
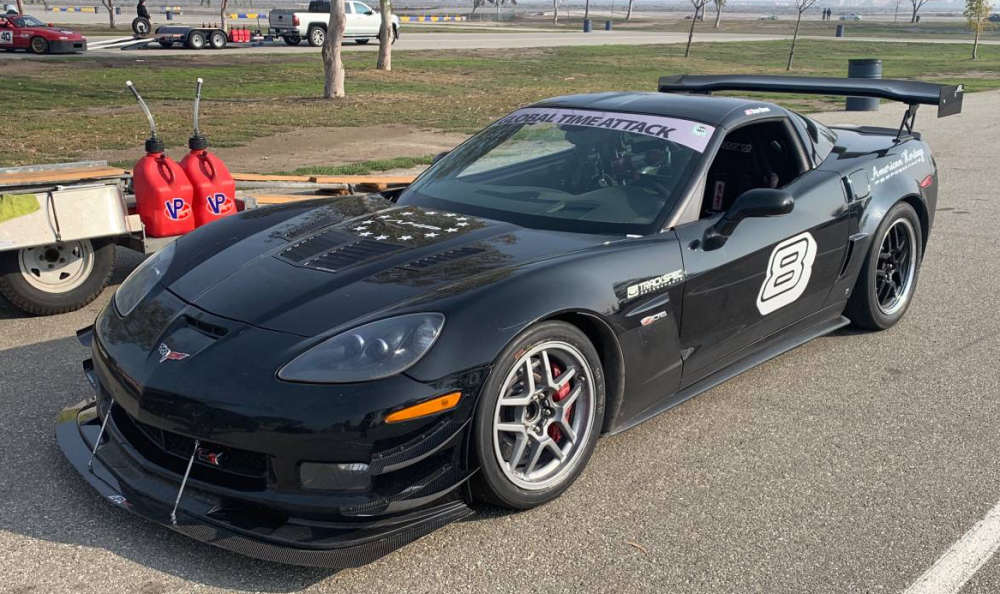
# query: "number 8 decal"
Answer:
x=787 y=273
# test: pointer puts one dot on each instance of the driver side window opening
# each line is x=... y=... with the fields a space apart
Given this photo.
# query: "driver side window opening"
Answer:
x=761 y=155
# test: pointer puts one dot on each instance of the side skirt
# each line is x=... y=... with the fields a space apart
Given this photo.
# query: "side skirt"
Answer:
x=767 y=349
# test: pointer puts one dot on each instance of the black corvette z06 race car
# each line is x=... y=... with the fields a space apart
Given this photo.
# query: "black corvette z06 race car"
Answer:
x=322 y=382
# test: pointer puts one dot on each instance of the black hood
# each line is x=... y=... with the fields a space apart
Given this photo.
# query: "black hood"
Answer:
x=345 y=258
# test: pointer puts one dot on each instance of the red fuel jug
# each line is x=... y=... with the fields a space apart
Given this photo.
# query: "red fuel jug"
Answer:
x=214 y=188
x=163 y=194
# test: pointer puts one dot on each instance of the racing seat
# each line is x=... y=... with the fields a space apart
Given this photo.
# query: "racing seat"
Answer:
x=744 y=162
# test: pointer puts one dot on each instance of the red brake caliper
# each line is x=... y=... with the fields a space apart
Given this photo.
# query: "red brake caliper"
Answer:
x=554 y=431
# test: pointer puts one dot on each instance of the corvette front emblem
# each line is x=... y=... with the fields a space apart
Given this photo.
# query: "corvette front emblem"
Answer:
x=167 y=354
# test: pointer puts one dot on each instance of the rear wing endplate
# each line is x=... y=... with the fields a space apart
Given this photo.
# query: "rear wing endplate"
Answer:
x=948 y=99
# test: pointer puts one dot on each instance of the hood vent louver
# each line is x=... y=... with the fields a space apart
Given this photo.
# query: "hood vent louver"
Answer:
x=351 y=254
x=311 y=225
x=442 y=258
x=314 y=246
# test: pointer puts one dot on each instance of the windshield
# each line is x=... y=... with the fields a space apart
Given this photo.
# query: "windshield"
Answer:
x=27 y=22
x=568 y=170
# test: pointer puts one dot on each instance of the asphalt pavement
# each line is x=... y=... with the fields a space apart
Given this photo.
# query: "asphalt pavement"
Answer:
x=850 y=464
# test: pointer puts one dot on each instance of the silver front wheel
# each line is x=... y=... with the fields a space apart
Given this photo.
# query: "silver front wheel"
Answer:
x=544 y=416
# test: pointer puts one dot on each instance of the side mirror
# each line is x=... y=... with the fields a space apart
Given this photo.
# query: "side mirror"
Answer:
x=369 y=13
x=759 y=202
x=439 y=156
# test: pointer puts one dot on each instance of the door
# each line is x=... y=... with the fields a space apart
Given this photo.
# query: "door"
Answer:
x=353 y=26
x=771 y=272
x=370 y=20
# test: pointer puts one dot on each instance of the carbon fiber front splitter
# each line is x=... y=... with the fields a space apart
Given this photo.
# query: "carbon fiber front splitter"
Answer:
x=212 y=520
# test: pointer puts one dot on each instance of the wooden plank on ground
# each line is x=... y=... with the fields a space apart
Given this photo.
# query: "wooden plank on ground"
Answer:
x=263 y=199
x=59 y=176
x=381 y=181
x=254 y=177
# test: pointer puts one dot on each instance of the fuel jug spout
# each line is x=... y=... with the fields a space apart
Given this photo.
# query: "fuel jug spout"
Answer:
x=153 y=144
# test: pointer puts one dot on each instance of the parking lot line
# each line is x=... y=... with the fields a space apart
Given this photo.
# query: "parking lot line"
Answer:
x=963 y=559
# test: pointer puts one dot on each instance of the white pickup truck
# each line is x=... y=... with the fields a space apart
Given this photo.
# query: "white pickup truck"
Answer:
x=362 y=24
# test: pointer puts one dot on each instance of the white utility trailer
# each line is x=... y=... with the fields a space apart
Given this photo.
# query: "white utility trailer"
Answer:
x=59 y=225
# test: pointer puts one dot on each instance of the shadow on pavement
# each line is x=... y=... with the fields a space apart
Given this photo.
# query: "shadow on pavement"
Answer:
x=46 y=500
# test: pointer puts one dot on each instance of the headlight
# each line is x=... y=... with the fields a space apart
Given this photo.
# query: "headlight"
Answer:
x=373 y=351
x=142 y=280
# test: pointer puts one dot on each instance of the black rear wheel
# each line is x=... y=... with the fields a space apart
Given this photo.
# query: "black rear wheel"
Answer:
x=141 y=26
x=166 y=44
x=292 y=39
x=888 y=278
x=538 y=416
x=361 y=41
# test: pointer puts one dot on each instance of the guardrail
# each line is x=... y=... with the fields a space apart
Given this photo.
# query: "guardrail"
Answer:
x=437 y=18
x=73 y=9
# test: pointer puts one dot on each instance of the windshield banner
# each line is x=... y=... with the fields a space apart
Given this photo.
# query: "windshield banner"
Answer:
x=685 y=132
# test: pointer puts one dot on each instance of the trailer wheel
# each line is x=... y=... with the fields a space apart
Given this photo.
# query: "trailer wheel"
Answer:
x=195 y=40
x=217 y=40
x=292 y=39
x=166 y=44
x=141 y=26
x=317 y=36
x=57 y=278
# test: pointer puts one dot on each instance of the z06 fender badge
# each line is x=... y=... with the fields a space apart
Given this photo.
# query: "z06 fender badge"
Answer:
x=168 y=355
x=788 y=273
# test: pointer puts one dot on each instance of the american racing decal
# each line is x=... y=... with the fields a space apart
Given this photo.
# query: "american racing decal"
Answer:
x=168 y=355
x=654 y=284
x=908 y=158
x=6 y=37
x=177 y=209
x=787 y=273
x=682 y=132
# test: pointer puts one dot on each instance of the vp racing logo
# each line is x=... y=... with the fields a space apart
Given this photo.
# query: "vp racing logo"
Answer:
x=654 y=284
x=168 y=355
x=177 y=209
x=218 y=204
x=788 y=273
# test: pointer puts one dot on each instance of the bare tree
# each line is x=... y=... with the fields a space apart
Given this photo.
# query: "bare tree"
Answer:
x=20 y=7
x=586 y=10
x=385 y=36
x=719 y=5
x=222 y=13
x=917 y=5
x=800 y=6
x=108 y=4
x=699 y=5
x=628 y=15
x=555 y=13
x=333 y=66
x=977 y=12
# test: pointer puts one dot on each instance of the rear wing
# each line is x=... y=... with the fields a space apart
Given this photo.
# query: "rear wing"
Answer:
x=948 y=99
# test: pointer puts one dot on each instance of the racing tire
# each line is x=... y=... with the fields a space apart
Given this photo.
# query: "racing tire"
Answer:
x=141 y=26
x=57 y=278
x=292 y=39
x=888 y=277
x=217 y=40
x=317 y=36
x=361 y=41
x=195 y=40
x=166 y=44
x=519 y=425
x=39 y=45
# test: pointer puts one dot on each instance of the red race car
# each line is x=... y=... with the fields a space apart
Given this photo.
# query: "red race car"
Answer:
x=28 y=33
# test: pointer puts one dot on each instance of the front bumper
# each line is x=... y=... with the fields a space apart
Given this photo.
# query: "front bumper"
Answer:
x=212 y=516
x=67 y=46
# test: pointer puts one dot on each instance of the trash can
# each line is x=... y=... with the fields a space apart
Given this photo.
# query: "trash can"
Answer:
x=866 y=68
x=586 y=25
x=607 y=25
x=170 y=15
x=841 y=29
x=118 y=10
